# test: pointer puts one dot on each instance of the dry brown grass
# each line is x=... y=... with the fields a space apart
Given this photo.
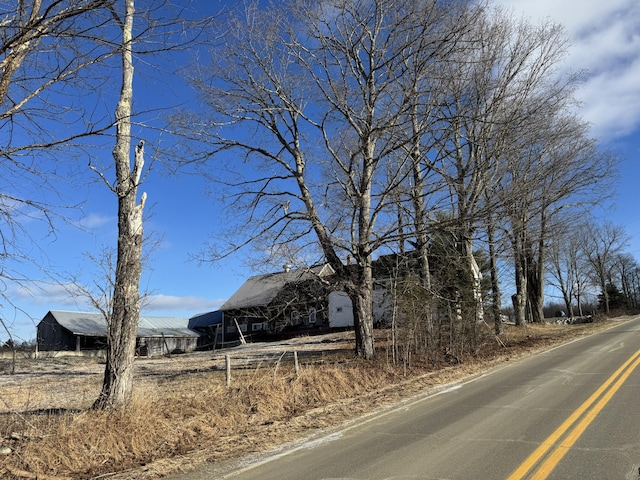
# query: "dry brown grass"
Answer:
x=184 y=414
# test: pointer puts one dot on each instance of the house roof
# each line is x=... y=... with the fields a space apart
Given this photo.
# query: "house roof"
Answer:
x=204 y=320
x=94 y=324
x=260 y=290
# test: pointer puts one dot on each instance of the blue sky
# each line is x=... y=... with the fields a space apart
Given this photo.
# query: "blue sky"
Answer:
x=605 y=41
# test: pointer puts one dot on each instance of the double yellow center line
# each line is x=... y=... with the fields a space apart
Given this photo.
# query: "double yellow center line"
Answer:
x=574 y=426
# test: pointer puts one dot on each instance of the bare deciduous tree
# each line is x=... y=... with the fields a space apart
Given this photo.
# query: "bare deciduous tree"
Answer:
x=603 y=242
x=626 y=268
x=122 y=326
x=122 y=311
x=493 y=89
x=551 y=169
x=564 y=270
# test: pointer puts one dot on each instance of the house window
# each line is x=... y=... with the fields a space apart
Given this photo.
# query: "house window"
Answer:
x=237 y=326
x=338 y=309
x=295 y=317
x=257 y=326
x=312 y=316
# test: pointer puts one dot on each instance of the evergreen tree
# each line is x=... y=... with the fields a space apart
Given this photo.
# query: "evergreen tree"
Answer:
x=617 y=300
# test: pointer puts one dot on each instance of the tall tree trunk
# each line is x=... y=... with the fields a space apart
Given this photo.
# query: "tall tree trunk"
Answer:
x=417 y=194
x=564 y=279
x=496 y=297
x=536 y=275
x=534 y=285
x=117 y=385
x=360 y=294
x=605 y=297
x=579 y=288
x=567 y=302
x=535 y=294
x=635 y=288
x=520 y=298
x=417 y=201
x=476 y=278
x=519 y=241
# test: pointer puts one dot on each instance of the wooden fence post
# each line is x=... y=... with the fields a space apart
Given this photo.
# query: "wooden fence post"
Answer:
x=295 y=363
x=275 y=370
x=242 y=340
x=164 y=341
x=227 y=358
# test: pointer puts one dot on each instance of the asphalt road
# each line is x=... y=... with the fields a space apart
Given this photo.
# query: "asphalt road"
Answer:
x=570 y=413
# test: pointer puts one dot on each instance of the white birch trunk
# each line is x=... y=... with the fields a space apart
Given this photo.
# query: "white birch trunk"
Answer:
x=117 y=386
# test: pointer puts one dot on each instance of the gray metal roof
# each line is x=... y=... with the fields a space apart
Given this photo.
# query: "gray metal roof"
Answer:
x=260 y=290
x=94 y=324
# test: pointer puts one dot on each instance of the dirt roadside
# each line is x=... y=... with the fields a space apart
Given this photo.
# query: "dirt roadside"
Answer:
x=319 y=422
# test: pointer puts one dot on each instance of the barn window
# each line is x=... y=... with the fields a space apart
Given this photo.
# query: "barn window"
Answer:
x=257 y=326
x=295 y=317
x=312 y=315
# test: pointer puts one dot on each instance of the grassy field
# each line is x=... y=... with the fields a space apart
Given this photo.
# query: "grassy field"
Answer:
x=184 y=413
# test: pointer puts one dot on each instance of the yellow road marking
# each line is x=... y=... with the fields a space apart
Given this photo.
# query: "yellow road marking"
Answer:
x=563 y=448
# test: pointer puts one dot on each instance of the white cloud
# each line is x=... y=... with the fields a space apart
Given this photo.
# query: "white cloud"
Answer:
x=605 y=40
x=43 y=293
x=611 y=103
x=576 y=15
x=156 y=303
x=95 y=220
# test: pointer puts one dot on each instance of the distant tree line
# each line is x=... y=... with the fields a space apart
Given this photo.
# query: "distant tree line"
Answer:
x=588 y=263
